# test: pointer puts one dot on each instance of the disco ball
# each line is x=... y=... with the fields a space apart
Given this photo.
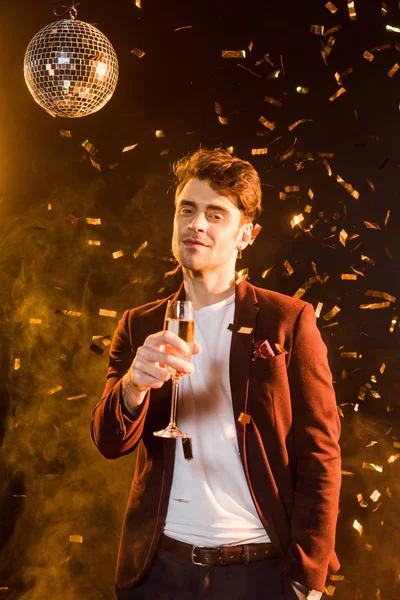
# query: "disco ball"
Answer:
x=71 y=68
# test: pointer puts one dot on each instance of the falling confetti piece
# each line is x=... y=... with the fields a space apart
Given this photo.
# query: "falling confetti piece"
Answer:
x=361 y=501
x=369 y=56
x=103 y=312
x=393 y=324
x=334 y=311
x=160 y=133
x=257 y=151
x=292 y=188
x=348 y=187
x=384 y=295
x=266 y=272
x=331 y=7
x=89 y=147
x=358 y=527
x=372 y=467
x=333 y=30
x=91 y=221
x=79 y=397
x=65 y=133
x=392 y=28
x=296 y=220
x=348 y=277
x=95 y=164
x=54 y=390
x=371 y=185
x=327 y=167
x=233 y=53
x=375 y=496
x=272 y=101
x=337 y=94
x=325 y=52
x=94 y=243
x=299 y=122
x=268 y=124
x=367 y=259
x=17 y=364
x=376 y=305
x=138 y=3
x=352 y=10
x=348 y=355
x=343 y=235
x=118 y=254
x=184 y=27
x=139 y=250
x=77 y=539
x=302 y=90
x=393 y=70
x=223 y=120
x=35 y=321
x=317 y=29
x=128 y=148
x=68 y=313
x=393 y=458
x=288 y=267
x=137 y=52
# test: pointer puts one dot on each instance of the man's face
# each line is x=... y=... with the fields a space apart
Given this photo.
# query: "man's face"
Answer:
x=208 y=229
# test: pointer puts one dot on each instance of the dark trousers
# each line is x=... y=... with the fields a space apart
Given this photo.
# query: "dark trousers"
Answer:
x=174 y=578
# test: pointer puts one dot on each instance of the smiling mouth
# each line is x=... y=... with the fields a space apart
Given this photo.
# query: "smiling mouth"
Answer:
x=194 y=243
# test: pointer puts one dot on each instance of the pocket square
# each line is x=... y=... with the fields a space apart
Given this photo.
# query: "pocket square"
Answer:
x=262 y=349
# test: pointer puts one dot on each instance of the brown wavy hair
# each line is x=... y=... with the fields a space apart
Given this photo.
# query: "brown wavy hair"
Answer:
x=226 y=174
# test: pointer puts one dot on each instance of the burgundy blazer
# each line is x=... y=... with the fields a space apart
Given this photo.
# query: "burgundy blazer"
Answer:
x=289 y=449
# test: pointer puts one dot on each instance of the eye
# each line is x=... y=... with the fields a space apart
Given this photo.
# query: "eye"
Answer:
x=185 y=211
x=216 y=216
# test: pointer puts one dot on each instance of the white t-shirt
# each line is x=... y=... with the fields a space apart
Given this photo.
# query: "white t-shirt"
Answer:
x=210 y=503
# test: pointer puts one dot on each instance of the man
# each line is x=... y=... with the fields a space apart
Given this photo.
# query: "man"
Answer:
x=253 y=513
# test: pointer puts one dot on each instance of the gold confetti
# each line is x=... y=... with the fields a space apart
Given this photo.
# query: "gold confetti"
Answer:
x=94 y=242
x=375 y=496
x=372 y=467
x=256 y=230
x=268 y=124
x=282 y=196
x=79 y=397
x=49 y=207
x=91 y=221
x=392 y=28
x=77 y=539
x=272 y=101
x=89 y=147
x=348 y=355
x=17 y=364
x=351 y=9
x=371 y=185
x=299 y=122
x=118 y=254
x=307 y=208
x=361 y=501
x=336 y=577
x=318 y=309
x=230 y=149
x=103 y=312
x=233 y=53
x=257 y=151
x=393 y=458
x=358 y=527
x=138 y=3
x=384 y=295
x=327 y=167
x=139 y=250
x=288 y=267
x=348 y=277
x=376 y=305
x=302 y=90
x=35 y=321
x=68 y=313
x=393 y=324
x=337 y=94
x=333 y=29
x=164 y=152
x=347 y=473
x=160 y=133
x=331 y=7
x=184 y=27
x=266 y=272
x=383 y=7
x=393 y=70
x=65 y=133
x=369 y=56
x=54 y=390
x=292 y=188
x=387 y=218
x=296 y=220
x=317 y=29
x=328 y=48
x=95 y=164
x=128 y=148
x=310 y=193
x=218 y=108
x=367 y=260
x=280 y=348
x=329 y=315
x=137 y=52
x=343 y=235
x=223 y=120
x=348 y=187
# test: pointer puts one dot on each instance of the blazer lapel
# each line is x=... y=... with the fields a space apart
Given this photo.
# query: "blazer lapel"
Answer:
x=246 y=312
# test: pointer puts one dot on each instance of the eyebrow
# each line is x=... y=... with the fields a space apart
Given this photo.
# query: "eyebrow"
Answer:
x=209 y=206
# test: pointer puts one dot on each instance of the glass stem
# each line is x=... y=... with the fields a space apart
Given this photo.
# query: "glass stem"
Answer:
x=175 y=386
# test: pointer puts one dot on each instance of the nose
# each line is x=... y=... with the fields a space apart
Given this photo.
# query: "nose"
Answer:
x=198 y=222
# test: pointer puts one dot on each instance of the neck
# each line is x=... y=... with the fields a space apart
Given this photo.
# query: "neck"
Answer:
x=204 y=289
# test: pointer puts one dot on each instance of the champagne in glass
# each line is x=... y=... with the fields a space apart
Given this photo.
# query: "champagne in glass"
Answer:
x=179 y=318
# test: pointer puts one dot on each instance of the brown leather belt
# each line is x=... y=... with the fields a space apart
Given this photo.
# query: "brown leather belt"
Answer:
x=223 y=555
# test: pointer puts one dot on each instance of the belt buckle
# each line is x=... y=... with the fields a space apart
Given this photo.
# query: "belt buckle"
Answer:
x=192 y=557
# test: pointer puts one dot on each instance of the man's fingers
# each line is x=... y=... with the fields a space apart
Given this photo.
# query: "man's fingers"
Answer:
x=147 y=355
x=196 y=348
x=167 y=338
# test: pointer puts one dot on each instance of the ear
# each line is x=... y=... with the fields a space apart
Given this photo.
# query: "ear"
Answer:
x=245 y=235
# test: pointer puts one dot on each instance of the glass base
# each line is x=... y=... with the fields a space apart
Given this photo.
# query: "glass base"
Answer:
x=171 y=432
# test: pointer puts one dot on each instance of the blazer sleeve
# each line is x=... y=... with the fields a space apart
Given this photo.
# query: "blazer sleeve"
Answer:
x=316 y=427
x=113 y=431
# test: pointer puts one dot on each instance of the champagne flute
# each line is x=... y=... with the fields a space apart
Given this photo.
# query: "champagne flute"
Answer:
x=179 y=318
